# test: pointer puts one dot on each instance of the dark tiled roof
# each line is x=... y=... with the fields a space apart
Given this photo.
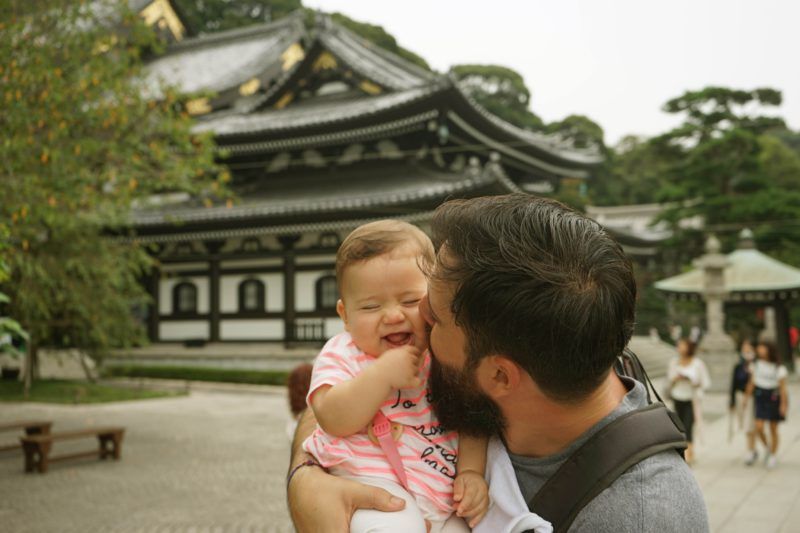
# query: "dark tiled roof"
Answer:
x=222 y=60
x=370 y=60
x=294 y=117
x=364 y=187
x=278 y=229
x=547 y=143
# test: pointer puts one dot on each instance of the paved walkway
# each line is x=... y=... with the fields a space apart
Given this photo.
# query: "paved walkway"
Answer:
x=215 y=461
x=208 y=462
x=749 y=499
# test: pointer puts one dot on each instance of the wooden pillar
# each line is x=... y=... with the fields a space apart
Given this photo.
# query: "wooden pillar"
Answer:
x=155 y=293
x=782 y=324
x=288 y=242
x=213 y=248
x=213 y=291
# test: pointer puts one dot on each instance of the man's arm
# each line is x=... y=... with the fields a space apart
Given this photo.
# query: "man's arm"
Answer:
x=320 y=502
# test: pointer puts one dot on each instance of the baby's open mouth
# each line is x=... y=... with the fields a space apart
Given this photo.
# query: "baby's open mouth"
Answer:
x=399 y=339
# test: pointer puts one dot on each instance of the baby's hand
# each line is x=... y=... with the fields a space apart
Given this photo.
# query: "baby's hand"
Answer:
x=400 y=366
x=471 y=494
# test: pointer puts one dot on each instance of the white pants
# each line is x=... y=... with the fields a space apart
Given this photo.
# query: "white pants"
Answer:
x=409 y=520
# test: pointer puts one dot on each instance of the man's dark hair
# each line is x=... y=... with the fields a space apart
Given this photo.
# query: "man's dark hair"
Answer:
x=539 y=283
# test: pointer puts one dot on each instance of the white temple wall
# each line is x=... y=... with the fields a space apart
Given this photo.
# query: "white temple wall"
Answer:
x=256 y=330
x=183 y=330
x=333 y=326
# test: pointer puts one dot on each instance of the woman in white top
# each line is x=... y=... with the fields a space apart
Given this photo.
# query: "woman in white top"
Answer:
x=688 y=377
x=768 y=387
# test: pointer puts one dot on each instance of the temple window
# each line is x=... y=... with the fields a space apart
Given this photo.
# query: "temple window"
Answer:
x=184 y=298
x=327 y=293
x=251 y=295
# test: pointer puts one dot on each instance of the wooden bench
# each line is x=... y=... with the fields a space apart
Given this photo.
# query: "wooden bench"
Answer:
x=37 y=447
x=31 y=427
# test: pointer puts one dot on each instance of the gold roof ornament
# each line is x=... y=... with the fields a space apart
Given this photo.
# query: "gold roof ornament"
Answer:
x=285 y=100
x=198 y=106
x=291 y=56
x=325 y=61
x=370 y=88
x=160 y=12
x=249 y=87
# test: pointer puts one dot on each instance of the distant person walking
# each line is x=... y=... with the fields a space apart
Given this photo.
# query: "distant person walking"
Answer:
x=744 y=412
x=688 y=378
x=768 y=388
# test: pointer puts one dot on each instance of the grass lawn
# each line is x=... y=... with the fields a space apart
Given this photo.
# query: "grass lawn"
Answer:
x=229 y=375
x=72 y=392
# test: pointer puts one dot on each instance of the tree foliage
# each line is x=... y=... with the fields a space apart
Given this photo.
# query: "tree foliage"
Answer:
x=377 y=35
x=501 y=91
x=580 y=130
x=723 y=165
x=632 y=174
x=81 y=146
x=207 y=16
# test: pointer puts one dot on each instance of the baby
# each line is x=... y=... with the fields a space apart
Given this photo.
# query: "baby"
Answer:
x=380 y=366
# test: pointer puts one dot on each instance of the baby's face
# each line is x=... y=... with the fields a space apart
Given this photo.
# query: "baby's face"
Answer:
x=380 y=302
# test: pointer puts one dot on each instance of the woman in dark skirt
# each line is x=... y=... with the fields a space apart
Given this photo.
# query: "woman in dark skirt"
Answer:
x=768 y=388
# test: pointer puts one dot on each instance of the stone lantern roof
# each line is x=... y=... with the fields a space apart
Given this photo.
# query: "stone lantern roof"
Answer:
x=750 y=276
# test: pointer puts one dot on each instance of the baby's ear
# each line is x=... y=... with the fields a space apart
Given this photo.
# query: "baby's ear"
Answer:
x=340 y=310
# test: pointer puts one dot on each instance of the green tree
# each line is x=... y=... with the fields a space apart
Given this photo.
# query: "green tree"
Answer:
x=208 y=16
x=81 y=146
x=580 y=130
x=718 y=168
x=779 y=162
x=501 y=91
x=377 y=35
x=634 y=174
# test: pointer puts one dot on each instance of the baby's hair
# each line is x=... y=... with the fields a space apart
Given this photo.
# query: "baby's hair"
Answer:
x=378 y=238
x=297 y=386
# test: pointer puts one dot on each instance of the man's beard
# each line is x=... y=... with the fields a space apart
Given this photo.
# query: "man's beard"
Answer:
x=460 y=405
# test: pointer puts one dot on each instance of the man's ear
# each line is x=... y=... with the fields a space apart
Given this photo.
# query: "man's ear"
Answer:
x=499 y=376
x=340 y=310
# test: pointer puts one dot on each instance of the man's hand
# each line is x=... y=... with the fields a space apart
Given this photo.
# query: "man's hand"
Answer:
x=400 y=366
x=321 y=503
x=471 y=494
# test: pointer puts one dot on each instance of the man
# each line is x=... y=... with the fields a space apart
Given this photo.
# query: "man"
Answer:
x=529 y=305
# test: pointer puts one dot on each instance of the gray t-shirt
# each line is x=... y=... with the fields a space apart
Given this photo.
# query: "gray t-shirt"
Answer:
x=659 y=494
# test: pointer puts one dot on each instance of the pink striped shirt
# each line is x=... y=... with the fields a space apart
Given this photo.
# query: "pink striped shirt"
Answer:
x=429 y=452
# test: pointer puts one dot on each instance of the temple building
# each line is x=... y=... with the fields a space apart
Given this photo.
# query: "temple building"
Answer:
x=321 y=131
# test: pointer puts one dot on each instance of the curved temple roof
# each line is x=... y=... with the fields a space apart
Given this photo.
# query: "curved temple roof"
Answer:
x=371 y=60
x=222 y=60
x=399 y=185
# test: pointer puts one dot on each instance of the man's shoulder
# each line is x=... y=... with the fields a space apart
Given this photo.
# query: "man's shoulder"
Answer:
x=659 y=493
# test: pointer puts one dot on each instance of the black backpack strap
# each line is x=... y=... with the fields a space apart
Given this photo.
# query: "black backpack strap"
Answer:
x=607 y=454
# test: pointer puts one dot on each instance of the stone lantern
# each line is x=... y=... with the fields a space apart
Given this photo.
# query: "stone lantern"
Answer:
x=716 y=348
x=745 y=278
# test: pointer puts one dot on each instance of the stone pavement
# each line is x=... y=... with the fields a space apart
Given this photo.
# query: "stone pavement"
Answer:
x=749 y=499
x=208 y=462
x=215 y=461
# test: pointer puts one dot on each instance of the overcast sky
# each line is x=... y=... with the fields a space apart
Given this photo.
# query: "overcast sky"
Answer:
x=616 y=61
